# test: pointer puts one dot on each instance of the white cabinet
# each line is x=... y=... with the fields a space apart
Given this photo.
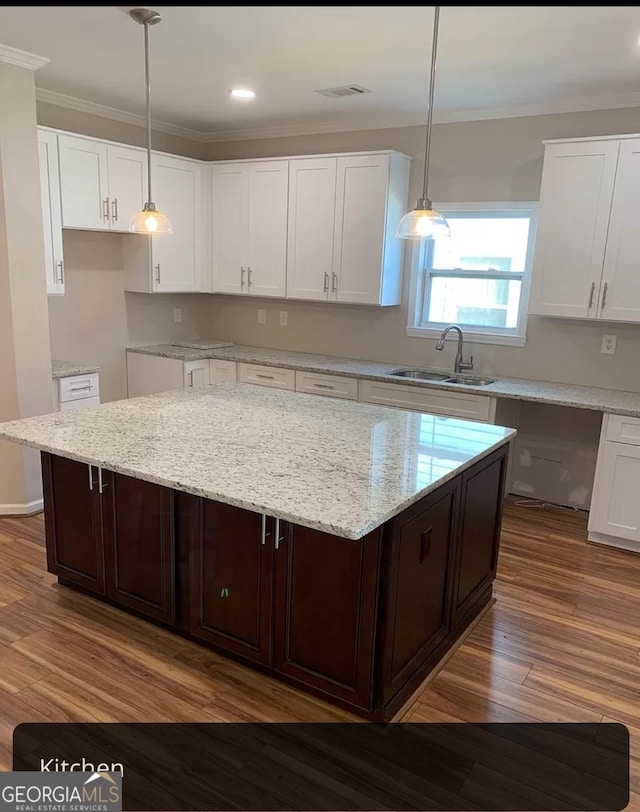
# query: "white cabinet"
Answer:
x=51 y=211
x=249 y=227
x=102 y=185
x=169 y=263
x=76 y=392
x=614 y=518
x=434 y=401
x=267 y=376
x=585 y=263
x=332 y=386
x=148 y=374
x=222 y=371
x=343 y=213
x=195 y=373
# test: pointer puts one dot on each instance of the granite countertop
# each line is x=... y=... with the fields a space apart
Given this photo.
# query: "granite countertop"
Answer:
x=333 y=465
x=65 y=369
x=596 y=398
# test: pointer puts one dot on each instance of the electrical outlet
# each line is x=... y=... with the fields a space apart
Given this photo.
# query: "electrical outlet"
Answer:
x=609 y=344
x=262 y=316
x=284 y=318
x=177 y=315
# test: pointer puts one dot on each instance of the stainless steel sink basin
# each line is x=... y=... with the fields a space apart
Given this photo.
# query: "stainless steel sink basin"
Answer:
x=470 y=380
x=420 y=374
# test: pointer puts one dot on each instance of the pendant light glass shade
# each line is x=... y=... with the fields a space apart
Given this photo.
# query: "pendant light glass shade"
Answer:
x=424 y=220
x=149 y=220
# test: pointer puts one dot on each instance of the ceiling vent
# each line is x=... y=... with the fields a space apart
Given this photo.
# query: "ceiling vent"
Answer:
x=341 y=92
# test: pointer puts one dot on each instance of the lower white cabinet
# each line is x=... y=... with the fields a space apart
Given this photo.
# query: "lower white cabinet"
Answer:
x=614 y=518
x=195 y=373
x=148 y=374
x=76 y=392
x=436 y=401
x=333 y=386
x=222 y=371
x=267 y=376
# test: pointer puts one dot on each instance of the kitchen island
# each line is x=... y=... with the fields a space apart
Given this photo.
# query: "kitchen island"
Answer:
x=342 y=547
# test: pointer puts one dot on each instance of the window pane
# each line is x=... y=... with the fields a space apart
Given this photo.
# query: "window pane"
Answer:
x=480 y=243
x=480 y=302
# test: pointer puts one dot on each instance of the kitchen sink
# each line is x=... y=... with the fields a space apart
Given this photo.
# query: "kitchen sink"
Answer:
x=470 y=380
x=420 y=374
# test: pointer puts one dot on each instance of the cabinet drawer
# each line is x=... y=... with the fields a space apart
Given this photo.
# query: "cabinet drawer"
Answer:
x=452 y=404
x=79 y=387
x=621 y=429
x=85 y=403
x=334 y=386
x=222 y=371
x=267 y=376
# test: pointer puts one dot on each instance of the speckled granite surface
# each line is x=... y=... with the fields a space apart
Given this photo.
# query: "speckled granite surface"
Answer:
x=65 y=369
x=595 y=398
x=333 y=465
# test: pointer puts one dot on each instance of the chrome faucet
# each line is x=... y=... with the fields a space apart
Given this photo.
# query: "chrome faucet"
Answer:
x=460 y=365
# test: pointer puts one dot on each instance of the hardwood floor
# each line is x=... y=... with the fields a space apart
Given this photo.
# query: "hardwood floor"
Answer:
x=561 y=643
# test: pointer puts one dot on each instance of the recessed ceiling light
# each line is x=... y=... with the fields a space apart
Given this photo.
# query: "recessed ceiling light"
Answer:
x=243 y=93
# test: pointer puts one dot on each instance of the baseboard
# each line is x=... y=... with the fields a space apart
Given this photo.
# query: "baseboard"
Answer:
x=613 y=541
x=24 y=509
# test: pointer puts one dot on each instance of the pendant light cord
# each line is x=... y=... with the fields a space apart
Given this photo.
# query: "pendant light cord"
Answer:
x=432 y=84
x=148 y=91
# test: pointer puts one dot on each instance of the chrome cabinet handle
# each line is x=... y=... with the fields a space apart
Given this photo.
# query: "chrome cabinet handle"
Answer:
x=249 y=276
x=263 y=532
x=326 y=282
x=158 y=274
x=604 y=295
x=101 y=485
x=277 y=539
x=266 y=377
x=191 y=379
x=334 y=285
x=593 y=289
x=114 y=209
x=105 y=209
x=323 y=386
x=81 y=388
x=61 y=274
x=241 y=277
x=90 y=478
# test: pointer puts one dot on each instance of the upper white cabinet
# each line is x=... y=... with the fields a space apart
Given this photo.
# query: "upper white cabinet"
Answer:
x=51 y=211
x=343 y=212
x=169 y=263
x=102 y=185
x=249 y=227
x=587 y=244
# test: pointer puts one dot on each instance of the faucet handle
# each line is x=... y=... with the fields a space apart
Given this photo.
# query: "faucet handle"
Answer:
x=465 y=365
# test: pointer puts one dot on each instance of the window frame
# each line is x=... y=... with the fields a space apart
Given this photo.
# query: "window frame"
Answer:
x=420 y=278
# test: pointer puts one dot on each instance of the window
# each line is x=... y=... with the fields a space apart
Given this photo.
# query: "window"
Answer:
x=478 y=277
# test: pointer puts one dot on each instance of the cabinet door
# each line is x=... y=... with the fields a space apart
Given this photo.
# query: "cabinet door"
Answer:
x=620 y=297
x=575 y=203
x=615 y=508
x=84 y=183
x=361 y=206
x=231 y=580
x=51 y=211
x=325 y=612
x=478 y=539
x=222 y=371
x=127 y=184
x=196 y=373
x=268 y=199
x=230 y=227
x=418 y=562
x=138 y=519
x=72 y=522
x=176 y=192
x=312 y=204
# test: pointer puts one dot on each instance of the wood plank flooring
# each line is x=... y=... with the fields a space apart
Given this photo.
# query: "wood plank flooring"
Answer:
x=561 y=643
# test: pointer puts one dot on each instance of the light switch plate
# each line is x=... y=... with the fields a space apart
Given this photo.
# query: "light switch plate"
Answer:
x=262 y=316
x=284 y=318
x=609 y=344
x=177 y=315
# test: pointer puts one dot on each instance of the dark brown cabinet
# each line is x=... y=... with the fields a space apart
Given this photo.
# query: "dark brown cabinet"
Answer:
x=326 y=611
x=73 y=524
x=231 y=582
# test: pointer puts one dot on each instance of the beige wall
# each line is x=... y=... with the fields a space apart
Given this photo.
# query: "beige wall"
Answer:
x=25 y=366
x=95 y=320
x=63 y=118
x=499 y=159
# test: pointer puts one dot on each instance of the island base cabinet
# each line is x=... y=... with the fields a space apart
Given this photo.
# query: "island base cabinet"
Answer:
x=325 y=612
x=230 y=580
x=73 y=524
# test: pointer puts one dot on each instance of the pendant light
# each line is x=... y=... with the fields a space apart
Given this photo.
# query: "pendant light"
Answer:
x=424 y=220
x=149 y=220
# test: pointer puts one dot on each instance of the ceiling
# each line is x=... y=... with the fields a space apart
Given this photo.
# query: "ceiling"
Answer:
x=494 y=61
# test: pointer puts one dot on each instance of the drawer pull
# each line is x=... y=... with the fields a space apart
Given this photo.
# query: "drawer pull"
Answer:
x=326 y=282
x=323 y=386
x=81 y=388
x=266 y=377
x=105 y=209
x=593 y=288
x=90 y=477
x=604 y=295
x=425 y=544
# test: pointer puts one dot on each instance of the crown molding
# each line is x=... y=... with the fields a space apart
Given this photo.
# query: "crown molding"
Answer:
x=23 y=59
x=380 y=122
x=115 y=114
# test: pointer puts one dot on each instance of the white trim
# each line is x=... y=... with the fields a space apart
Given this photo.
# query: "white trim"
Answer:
x=469 y=336
x=613 y=541
x=94 y=109
x=22 y=509
x=23 y=59
x=590 y=138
